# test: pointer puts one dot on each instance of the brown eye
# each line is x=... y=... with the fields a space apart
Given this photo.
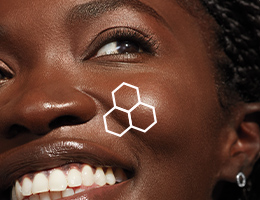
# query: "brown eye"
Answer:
x=119 y=47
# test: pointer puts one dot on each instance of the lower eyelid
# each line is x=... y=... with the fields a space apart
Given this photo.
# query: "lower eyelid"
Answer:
x=106 y=60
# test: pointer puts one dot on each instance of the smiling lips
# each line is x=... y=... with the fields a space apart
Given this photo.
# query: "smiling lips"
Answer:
x=56 y=169
x=65 y=181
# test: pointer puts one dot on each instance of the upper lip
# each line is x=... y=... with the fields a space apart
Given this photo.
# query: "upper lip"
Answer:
x=42 y=156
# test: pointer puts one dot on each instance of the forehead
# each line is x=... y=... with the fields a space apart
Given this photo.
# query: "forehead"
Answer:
x=44 y=14
x=45 y=10
x=57 y=7
x=51 y=14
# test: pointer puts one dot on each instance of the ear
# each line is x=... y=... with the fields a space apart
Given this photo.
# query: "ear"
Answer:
x=242 y=142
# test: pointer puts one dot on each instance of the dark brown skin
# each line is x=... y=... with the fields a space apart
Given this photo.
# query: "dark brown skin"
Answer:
x=52 y=104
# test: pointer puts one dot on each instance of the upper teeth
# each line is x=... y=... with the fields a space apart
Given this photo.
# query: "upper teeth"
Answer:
x=57 y=183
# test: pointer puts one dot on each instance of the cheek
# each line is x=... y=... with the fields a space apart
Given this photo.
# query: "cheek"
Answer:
x=184 y=117
x=184 y=141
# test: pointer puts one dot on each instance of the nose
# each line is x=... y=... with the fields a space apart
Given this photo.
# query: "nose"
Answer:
x=43 y=109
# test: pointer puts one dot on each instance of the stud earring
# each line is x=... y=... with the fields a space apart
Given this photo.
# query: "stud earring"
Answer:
x=241 y=179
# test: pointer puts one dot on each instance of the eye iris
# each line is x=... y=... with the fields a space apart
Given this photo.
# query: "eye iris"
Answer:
x=127 y=47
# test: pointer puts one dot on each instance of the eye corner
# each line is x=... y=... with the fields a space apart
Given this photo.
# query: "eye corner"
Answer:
x=6 y=73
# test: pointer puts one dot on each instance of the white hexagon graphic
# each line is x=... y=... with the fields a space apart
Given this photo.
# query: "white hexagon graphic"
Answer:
x=128 y=112
x=151 y=125
x=119 y=87
x=106 y=126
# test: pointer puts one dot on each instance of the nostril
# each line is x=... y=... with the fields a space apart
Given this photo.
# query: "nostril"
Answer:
x=15 y=130
x=66 y=120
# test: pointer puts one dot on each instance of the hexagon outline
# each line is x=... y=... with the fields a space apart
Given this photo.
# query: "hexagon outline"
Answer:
x=152 y=124
x=128 y=112
x=126 y=84
x=112 y=132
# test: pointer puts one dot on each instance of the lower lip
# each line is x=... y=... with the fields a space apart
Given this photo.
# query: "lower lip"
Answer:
x=105 y=192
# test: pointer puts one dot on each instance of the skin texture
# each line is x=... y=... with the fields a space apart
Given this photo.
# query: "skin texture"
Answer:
x=53 y=105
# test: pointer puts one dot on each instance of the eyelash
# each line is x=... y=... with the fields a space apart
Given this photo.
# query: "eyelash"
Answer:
x=146 y=41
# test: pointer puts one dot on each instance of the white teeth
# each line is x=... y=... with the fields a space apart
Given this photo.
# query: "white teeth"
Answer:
x=55 y=195
x=45 y=196
x=100 y=178
x=74 y=178
x=27 y=187
x=110 y=178
x=40 y=184
x=87 y=176
x=34 y=197
x=57 y=181
x=18 y=191
x=68 y=192
x=120 y=175
x=65 y=183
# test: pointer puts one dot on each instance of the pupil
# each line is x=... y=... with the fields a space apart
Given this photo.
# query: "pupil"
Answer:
x=127 y=47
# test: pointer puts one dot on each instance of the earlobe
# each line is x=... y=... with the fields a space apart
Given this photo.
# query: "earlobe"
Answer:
x=243 y=142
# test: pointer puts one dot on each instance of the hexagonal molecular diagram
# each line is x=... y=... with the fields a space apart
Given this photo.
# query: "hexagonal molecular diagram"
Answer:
x=132 y=112
x=116 y=113
x=126 y=96
x=143 y=117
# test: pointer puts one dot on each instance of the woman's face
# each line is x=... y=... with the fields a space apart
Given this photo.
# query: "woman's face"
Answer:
x=60 y=61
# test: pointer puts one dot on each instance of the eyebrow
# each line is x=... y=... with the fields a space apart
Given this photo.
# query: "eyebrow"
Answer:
x=97 y=8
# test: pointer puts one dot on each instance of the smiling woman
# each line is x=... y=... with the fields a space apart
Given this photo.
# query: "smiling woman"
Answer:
x=196 y=62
